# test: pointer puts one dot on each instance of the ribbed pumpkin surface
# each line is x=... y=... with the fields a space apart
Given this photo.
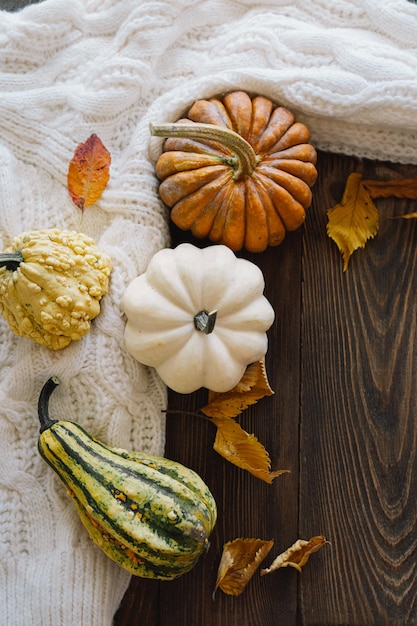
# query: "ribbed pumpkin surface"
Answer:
x=217 y=193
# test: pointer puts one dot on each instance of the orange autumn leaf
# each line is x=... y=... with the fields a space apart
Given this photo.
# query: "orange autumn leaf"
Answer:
x=400 y=188
x=252 y=387
x=297 y=555
x=239 y=561
x=354 y=220
x=88 y=172
x=242 y=449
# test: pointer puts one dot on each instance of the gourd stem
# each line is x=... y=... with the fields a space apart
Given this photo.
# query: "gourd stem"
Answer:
x=247 y=159
x=11 y=260
x=43 y=403
x=204 y=322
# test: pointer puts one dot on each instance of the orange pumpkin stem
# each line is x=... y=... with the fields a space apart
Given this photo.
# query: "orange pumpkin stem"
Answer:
x=246 y=158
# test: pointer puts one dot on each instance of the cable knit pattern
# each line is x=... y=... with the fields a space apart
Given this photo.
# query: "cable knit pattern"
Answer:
x=69 y=68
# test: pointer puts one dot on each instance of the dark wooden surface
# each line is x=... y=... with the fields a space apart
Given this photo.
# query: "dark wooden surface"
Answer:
x=343 y=365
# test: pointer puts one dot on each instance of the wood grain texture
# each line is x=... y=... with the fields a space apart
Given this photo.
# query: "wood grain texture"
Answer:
x=358 y=480
x=343 y=365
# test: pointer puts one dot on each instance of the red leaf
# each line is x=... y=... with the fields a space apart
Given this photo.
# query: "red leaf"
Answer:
x=88 y=172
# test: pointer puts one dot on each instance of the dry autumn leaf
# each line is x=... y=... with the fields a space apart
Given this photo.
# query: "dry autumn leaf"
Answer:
x=252 y=387
x=239 y=561
x=88 y=172
x=354 y=220
x=242 y=449
x=297 y=555
x=400 y=188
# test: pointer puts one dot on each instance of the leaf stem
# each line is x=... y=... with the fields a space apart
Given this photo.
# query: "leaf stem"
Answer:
x=189 y=413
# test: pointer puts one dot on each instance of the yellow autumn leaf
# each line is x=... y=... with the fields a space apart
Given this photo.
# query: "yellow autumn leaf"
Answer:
x=239 y=561
x=297 y=555
x=251 y=388
x=242 y=449
x=354 y=220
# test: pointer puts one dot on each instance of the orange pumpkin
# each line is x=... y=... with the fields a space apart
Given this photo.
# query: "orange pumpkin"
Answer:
x=237 y=171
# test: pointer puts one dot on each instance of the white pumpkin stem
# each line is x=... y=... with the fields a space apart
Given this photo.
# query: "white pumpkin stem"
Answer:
x=205 y=322
x=11 y=260
x=246 y=157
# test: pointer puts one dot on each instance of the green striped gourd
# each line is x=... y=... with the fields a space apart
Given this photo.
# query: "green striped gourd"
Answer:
x=152 y=516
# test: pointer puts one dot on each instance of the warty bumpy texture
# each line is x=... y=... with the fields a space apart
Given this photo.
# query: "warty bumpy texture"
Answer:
x=69 y=68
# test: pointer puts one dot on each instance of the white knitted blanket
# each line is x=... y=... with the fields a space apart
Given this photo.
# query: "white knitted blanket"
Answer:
x=70 y=68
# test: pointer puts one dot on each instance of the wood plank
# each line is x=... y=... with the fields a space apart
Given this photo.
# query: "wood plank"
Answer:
x=358 y=427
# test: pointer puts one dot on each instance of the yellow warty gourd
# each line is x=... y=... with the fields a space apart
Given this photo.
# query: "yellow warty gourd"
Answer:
x=51 y=283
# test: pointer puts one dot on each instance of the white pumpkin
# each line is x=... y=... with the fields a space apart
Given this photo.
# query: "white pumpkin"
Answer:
x=198 y=316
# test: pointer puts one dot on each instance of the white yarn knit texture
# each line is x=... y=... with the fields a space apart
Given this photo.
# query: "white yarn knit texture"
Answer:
x=70 y=68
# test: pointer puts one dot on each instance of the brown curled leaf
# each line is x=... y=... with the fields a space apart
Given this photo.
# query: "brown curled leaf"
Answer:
x=297 y=555
x=239 y=561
